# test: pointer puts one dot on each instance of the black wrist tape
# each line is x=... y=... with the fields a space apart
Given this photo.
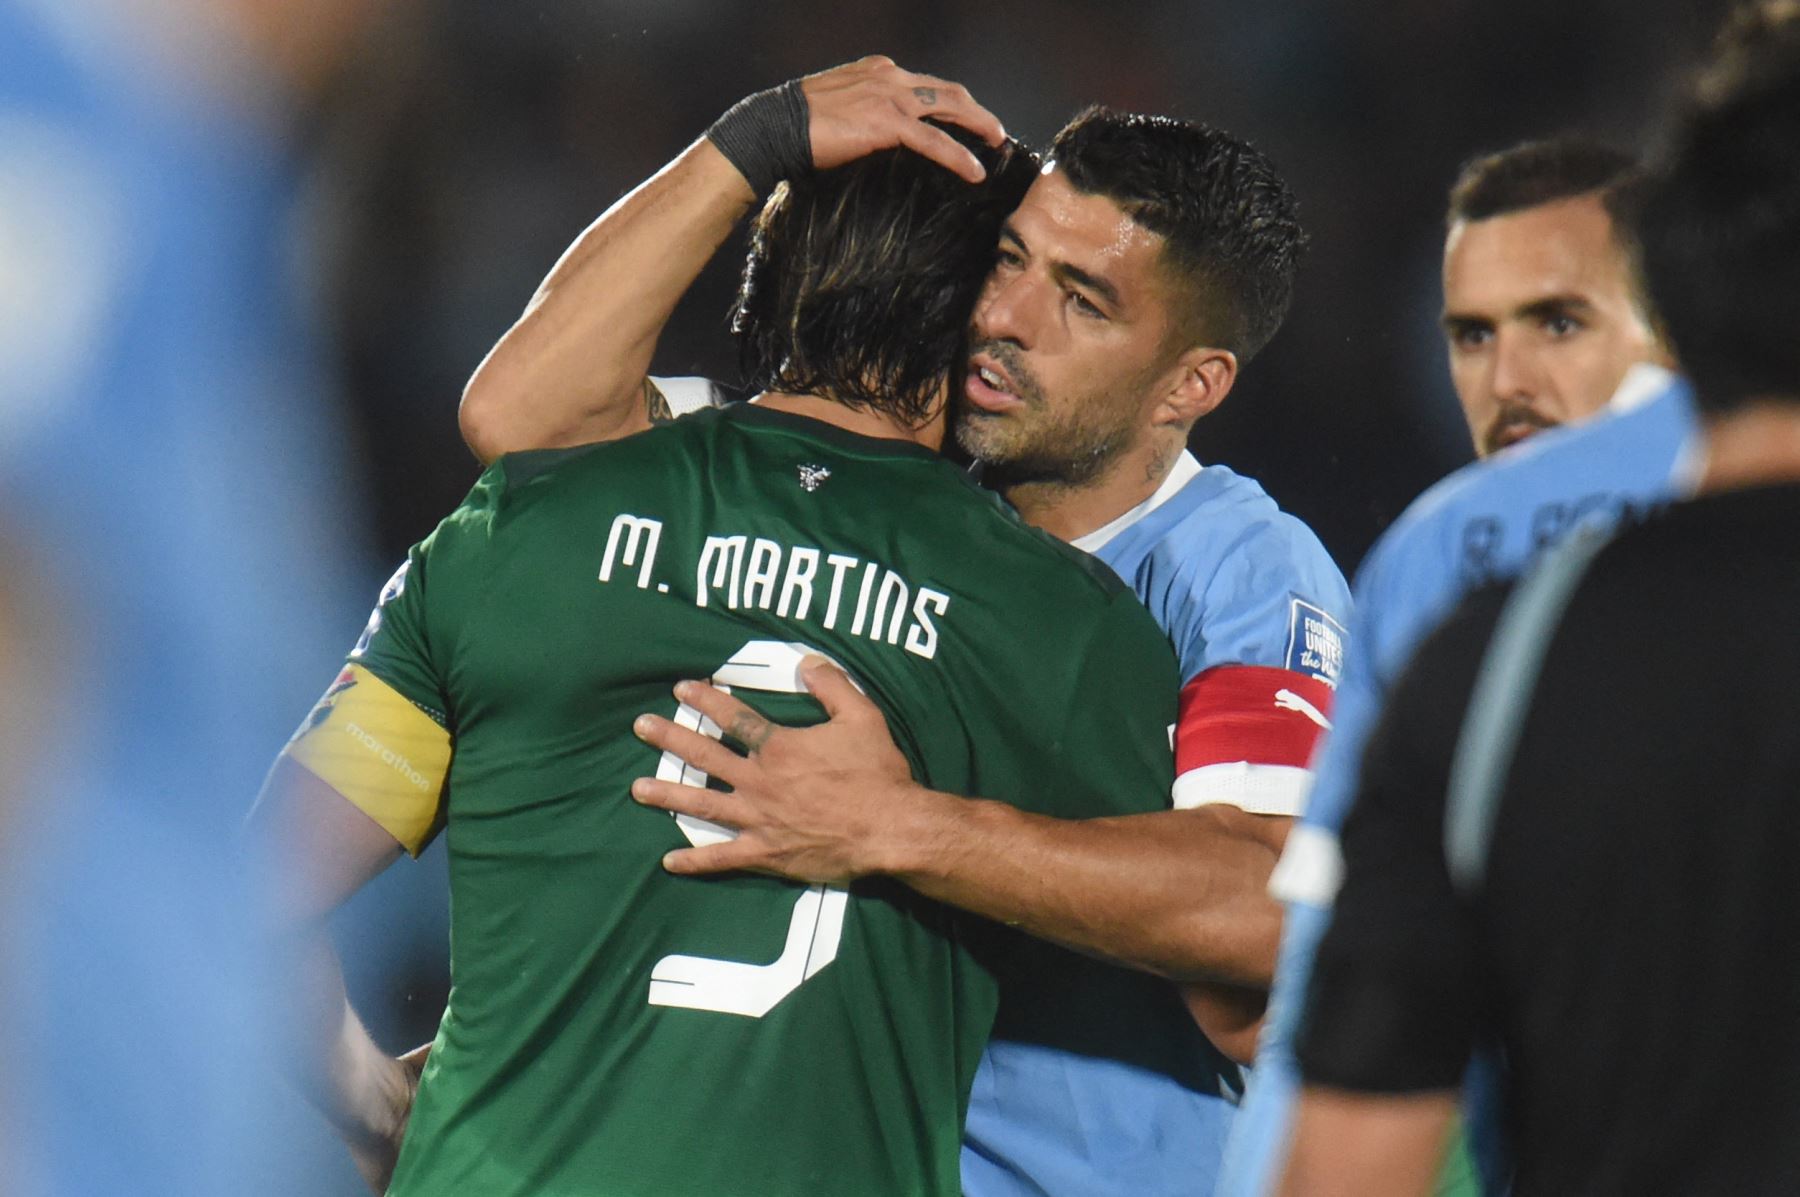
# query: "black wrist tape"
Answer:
x=766 y=136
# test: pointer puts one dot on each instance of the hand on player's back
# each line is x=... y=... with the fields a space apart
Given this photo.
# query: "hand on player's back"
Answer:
x=872 y=104
x=813 y=804
x=376 y=1155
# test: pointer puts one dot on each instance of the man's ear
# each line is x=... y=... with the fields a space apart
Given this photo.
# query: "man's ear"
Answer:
x=1197 y=383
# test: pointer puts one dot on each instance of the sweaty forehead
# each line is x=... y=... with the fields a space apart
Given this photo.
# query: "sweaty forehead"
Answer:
x=1496 y=266
x=1089 y=232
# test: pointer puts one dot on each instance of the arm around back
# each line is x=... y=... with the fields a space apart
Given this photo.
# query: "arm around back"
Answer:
x=316 y=850
x=571 y=370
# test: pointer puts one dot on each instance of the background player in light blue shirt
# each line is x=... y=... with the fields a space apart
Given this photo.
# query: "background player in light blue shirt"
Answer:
x=175 y=487
x=1546 y=325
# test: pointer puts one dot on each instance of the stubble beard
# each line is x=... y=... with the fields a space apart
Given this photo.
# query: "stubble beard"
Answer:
x=1062 y=446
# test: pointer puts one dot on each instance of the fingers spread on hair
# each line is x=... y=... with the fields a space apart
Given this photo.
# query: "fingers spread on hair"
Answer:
x=946 y=101
x=942 y=149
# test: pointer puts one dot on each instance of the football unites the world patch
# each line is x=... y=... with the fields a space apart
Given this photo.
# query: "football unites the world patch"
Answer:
x=1315 y=643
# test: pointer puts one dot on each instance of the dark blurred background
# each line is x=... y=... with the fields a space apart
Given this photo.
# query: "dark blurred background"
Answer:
x=470 y=140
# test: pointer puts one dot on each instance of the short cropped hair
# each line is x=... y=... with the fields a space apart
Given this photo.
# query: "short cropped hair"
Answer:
x=1720 y=224
x=1534 y=173
x=861 y=280
x=1230 y=224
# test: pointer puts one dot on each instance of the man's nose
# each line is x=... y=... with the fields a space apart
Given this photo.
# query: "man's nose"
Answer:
x=1006 y=311
x=1518 y=374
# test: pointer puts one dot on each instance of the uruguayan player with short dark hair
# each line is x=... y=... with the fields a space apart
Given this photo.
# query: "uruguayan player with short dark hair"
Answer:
x=614 y=1029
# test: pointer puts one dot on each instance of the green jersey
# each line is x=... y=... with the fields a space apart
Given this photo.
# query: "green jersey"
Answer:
x=613 y=1029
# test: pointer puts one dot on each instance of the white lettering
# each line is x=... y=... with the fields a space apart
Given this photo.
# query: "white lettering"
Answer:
x=1326 y=645
x=839 y=564
x=803 y=563
x=922 y=637
x=759 y=578
x=726 y=556
x=633 y=528
x=389 y=757
x=742 y=571
x=893 y=589
x=862 y=599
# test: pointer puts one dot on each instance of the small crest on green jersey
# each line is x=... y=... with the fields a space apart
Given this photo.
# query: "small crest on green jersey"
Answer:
x=812 y=477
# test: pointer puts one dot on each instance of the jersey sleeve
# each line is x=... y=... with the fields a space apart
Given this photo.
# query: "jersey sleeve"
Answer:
x=1113 y=755
x=1275 y=599
x=395 y=645
x=379 y=736
x=1261 y=641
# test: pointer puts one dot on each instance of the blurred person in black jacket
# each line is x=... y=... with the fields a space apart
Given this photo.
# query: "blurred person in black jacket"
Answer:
x=1598 y=875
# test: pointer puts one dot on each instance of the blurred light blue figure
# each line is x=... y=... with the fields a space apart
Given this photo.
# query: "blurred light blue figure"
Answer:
x=1484 y=523
x=171 y=457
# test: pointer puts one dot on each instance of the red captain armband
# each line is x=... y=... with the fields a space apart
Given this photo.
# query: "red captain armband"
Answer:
x=1244 y=737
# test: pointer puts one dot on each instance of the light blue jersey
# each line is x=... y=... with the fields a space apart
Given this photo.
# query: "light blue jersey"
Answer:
x=172 y=485
x=1486 y=522
x=1098 y=1082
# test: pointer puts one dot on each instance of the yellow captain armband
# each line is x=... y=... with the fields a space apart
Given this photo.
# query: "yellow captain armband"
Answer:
x=369 y=742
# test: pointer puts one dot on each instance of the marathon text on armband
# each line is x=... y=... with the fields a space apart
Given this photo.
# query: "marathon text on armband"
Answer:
x=389 y=757
x=836 y=591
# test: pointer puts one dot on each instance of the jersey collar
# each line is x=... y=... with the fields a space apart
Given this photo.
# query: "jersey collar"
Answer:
x=1642 y=383
x=1184 y=471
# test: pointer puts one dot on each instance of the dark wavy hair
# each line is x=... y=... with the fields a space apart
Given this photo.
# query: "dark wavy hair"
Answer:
x=1229 y=221
x=1552 y=169
x=1534 y=173
x=861 y=280
x=1720 y=220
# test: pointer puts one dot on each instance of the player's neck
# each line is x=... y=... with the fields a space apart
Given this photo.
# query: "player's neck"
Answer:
x=1756 y=445
x=858 y=420
x=1070 y=511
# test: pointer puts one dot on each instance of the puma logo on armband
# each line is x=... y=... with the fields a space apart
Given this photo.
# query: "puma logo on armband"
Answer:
x=1287 y=700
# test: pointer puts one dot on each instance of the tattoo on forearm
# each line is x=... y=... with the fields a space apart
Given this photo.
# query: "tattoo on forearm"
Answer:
x=926 y=95
x=656 y=404
x=751 y=730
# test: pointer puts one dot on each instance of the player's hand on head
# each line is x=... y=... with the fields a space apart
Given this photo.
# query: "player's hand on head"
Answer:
x=810 y=803
x=873 y=104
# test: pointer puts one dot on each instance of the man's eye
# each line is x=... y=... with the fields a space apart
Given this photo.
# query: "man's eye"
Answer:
x=1084 y=307
x=1561 y=326
x=1006 y=257
x=1471 y=337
